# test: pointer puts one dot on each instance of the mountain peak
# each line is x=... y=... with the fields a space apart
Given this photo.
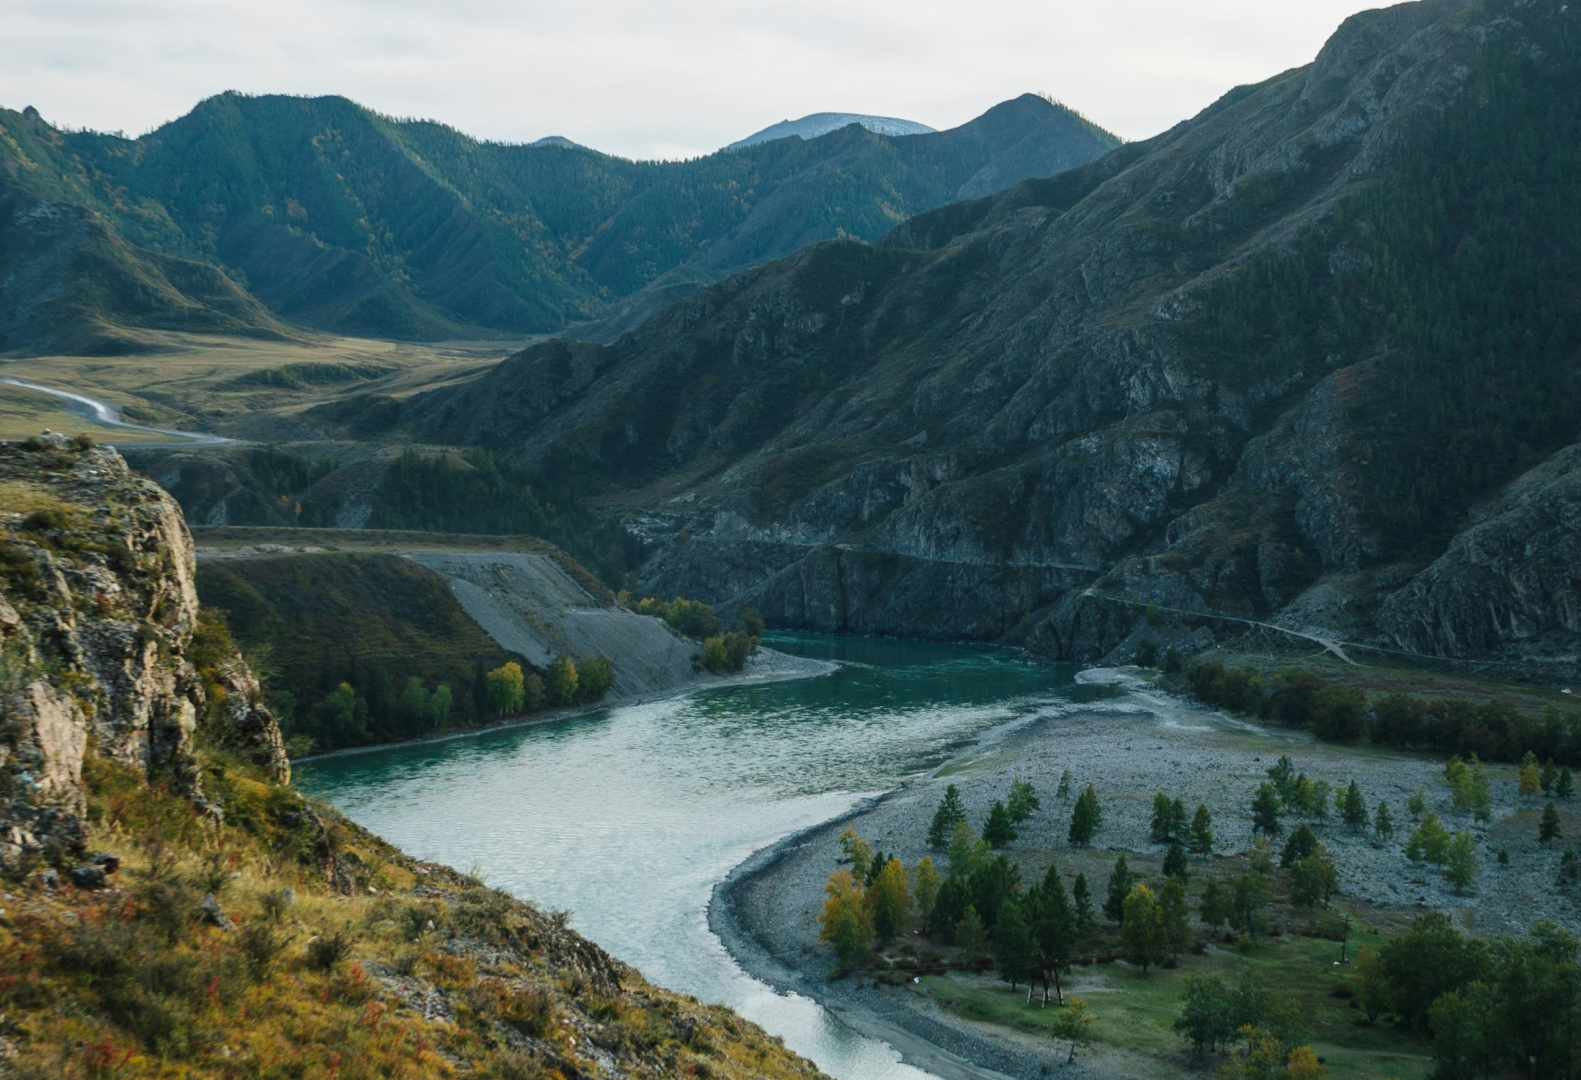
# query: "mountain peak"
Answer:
x=816 y=124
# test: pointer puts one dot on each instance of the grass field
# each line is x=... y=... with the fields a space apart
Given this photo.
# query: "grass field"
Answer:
x=200 y=382
x=1133 y=1012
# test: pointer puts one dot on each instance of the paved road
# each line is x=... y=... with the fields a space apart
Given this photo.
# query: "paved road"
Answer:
x=106 y=415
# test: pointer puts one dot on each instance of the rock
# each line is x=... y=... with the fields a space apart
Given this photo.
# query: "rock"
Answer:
x=209 y=907
x=87 y=876
x=48 y=878
x=105 y=861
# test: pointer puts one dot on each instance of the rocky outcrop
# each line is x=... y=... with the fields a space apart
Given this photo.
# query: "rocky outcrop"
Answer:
x=102 y=641
x=1510 y=582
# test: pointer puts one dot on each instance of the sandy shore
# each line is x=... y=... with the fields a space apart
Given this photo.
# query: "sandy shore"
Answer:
x=1128 y=746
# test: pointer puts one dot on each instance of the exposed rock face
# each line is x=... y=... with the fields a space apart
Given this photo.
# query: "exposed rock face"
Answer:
x=1513 y=578
x=1011 y=411
x=99 y=615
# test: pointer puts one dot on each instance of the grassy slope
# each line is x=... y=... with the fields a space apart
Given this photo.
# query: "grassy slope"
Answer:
x=441 y=976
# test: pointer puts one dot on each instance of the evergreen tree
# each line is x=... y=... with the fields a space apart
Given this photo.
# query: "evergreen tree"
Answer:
x=1564 y=786
x=1353 y=811
x=1120 y=882
x=1177 y=820
x=1023 y=801
x=1064 y=785
x=1248 y=903
x=970 y=935
x=925 y=887
x=1175 y=863
x=1416 y=805
x=1055 y=933
x=1550 y=776
x=1265 y=811
x=1013 y=946
x=1302 y=843
x=1202 y=831
x=1140 y=929
x=1159 y=829
x=1081 y=901
x=1548 y=829
x=1383 y=822
x=1213 y=905
x=998 y=831
x=949 y=814
x=1462 y=865
x=1085 y=818
x=1174 y=918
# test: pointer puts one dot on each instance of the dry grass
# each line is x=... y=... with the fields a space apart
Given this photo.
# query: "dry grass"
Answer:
x=372 y=965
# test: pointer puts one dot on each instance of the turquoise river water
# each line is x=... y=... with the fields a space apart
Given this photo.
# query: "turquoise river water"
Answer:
x=629 y=816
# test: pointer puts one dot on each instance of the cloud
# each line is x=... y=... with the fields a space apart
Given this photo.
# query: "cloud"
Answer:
x=648 y=79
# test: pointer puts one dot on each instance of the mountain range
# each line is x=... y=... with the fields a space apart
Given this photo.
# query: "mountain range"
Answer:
x=250 y=213
x=1311 y=358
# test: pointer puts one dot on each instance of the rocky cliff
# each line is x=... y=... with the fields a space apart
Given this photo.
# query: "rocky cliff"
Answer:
x=173 y=907
x=1264 y=365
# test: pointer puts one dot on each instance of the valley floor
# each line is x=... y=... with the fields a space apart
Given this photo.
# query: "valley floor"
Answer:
x=1131 y=744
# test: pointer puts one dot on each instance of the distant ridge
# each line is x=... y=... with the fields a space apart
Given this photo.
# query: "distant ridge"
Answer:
x=816 y=124
x=558 y=140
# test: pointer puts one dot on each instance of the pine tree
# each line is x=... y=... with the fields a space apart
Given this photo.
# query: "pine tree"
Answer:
x=1085 y=818
x=1416 y=805
x=1175 y=863
x=1548 y=829
x=1462 y=866
x=1564 y=787
x=1081 y=901
x=998 y=831
x=949 y=814
x=1177 y=820
x=925 y=886
x=1013 y=946
x=1023 y=801
x=1054 y=932
x=970 y=934
x=1064 y=785
x=1212 y=906
x=1531 y=782
x=1265 y=811
x=1159 y=830
x=1550 y=776
x=1202 y=831
x=1139 y=926
x=1174 y=917
x=1120 y=882
x=1302 y=843
x=1353 y=811
x=1383 y=822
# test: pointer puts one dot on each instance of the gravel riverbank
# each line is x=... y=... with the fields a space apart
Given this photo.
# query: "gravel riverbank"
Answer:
x=1128 y=746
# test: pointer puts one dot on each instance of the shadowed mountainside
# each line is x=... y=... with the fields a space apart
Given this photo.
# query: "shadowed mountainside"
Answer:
x=337 y=218
x=1265 y=364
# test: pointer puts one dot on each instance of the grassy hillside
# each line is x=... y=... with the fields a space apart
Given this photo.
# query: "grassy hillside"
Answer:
x=312 y=622
x=340 y=218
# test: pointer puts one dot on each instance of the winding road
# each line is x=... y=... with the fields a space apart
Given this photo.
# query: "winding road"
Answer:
x=106 y=415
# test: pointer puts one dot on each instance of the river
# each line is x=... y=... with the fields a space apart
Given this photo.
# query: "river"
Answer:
x=628 y=817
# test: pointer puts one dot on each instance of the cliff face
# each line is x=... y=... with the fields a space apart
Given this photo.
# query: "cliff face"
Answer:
x=101 y=631
x=1214 y=370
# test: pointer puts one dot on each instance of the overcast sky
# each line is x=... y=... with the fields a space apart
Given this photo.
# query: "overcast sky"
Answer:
x=646 y=79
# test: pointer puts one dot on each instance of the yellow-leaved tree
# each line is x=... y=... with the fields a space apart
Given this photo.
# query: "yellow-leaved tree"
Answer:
x=845 y=924
x=889 y=901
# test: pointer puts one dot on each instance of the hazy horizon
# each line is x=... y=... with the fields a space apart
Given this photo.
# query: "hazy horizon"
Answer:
x=628 y=79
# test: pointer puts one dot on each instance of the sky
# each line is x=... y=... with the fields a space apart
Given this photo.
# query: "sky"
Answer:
x=651 y=79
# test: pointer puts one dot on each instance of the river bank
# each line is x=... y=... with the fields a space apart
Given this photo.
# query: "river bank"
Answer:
x=1130 y=746
x=765 y=666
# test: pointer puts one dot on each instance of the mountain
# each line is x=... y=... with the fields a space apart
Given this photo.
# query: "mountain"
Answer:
x=1293 y=360
x=334 y=217
x=816 y=124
